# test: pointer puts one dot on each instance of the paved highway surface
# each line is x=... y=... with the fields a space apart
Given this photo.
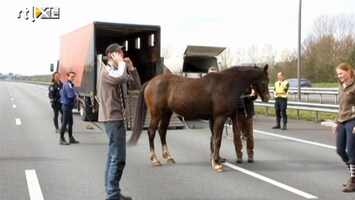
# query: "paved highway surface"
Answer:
x=299 y=163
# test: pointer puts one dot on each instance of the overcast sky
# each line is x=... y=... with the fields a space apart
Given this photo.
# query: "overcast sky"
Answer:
x=29 y=47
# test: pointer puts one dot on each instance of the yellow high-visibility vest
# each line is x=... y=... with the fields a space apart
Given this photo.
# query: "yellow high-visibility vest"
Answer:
x=280 y=87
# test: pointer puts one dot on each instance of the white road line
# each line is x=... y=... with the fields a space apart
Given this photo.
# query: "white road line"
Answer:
x=273 y=182
x=295 y=139
x=12 y=99
x=18 y=121
x=33 y=185
x=14 y=106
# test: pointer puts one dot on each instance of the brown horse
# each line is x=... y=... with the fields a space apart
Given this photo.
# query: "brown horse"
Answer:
x=214 y=95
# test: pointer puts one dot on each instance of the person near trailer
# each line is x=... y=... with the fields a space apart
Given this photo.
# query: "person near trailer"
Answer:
x=113 y=80
x=54 y=96
x=344 y=126
x=245 y=113
x=68 y=98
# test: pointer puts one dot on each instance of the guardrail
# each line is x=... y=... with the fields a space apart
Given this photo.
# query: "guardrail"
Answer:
x=307 y=92
x=316 y=107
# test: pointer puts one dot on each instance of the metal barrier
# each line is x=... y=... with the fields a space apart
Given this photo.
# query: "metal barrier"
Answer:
x=317 y=107
x=307 y=92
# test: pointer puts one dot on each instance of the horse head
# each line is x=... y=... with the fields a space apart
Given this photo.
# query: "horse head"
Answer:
x=261 y=85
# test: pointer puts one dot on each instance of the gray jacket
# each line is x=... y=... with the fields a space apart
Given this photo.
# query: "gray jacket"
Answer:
x=109 y=87
x=346 y=103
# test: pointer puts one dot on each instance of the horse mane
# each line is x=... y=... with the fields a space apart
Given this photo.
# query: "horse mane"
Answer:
x=241 y=68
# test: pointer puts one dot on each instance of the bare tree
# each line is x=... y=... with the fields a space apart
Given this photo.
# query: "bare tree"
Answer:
x=268 y=55
x=253 y=54
x=331 y=42
x=226 y=58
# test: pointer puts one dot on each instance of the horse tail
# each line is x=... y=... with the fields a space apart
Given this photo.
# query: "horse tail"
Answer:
x=139 y=118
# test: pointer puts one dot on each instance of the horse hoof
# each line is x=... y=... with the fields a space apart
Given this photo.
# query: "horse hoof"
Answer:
x=171 y=161
x=221 y=169
x=156 y=164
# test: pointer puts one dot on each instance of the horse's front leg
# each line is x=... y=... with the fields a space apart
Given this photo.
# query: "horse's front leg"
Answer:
x=217 y=139
x=151 y=134
x=162 y=133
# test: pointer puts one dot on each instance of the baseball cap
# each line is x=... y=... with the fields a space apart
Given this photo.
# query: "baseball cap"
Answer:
x=113 y=48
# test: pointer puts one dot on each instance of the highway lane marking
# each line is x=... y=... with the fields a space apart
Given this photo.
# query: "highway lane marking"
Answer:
x=14 y=106
x=18 y=121
x=33 y=185
x=271 y=181
x=12 y=99
x=293 y=139
x=296 y=139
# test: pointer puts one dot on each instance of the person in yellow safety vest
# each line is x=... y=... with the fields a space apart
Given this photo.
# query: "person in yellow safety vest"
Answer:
x=281 y=95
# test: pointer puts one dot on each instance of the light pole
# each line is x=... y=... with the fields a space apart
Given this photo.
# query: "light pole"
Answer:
x=299 y=52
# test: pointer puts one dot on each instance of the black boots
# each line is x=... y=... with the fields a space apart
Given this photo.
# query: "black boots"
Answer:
x=278 y=120
x=350 y=186
x=284 y=127
x=276 y=127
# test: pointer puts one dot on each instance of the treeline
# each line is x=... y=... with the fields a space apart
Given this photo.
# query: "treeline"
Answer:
x=36 y=78
x=331 y=42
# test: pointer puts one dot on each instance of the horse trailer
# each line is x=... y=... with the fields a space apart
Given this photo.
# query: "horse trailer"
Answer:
x=81 y=48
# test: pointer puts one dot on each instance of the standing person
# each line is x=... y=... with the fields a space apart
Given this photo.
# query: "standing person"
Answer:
x=344 y=126
x=245 y=113
x=211 y=121
x=113 y=78
x=281 y=95
x=68 y=96
x=54 y=96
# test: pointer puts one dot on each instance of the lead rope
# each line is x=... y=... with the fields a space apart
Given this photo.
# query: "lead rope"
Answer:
x=129 y=123
x=122 y=103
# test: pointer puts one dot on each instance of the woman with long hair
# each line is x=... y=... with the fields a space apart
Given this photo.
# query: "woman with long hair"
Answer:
x=54 y=96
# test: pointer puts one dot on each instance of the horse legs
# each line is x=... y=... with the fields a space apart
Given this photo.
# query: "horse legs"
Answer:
x=164 y=123
x=217 y=139
x=151 y=134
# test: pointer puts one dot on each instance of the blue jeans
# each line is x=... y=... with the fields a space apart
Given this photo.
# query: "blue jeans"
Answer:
x=345 y=141
x=116 y=158
x=280 y=109
x=67 y=121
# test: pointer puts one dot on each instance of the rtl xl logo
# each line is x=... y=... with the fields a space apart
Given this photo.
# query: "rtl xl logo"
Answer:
x=40 y=13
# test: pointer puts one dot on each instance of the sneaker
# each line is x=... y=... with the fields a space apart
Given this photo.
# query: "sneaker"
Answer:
x=62 y=141
x=125 y=197
x=57 y=130
x=120 y=198
x=276 y=127
x=250 y=160
x=239 y=160
x=73 y=141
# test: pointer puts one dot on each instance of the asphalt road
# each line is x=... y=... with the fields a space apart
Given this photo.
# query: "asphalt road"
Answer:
x=299 y=163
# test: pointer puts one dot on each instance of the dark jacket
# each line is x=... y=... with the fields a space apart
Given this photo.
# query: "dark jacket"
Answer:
x=68 y=94
x=54 y=91
x=246 y=103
